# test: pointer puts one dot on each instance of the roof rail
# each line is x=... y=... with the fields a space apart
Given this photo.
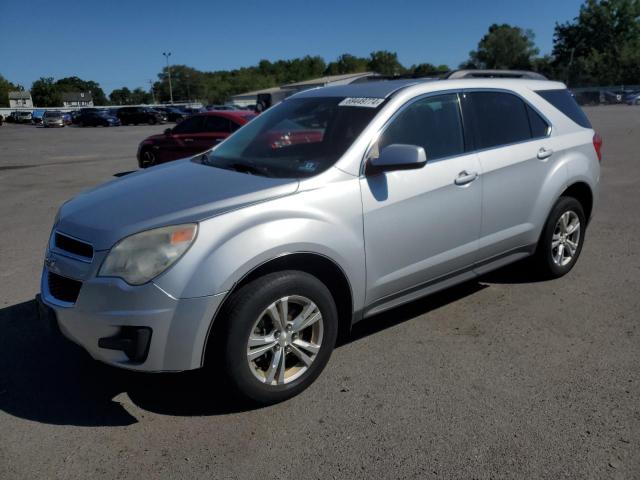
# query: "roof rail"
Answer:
x=495 y=74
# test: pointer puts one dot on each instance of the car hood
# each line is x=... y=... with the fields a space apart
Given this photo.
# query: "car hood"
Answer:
x=169 y=194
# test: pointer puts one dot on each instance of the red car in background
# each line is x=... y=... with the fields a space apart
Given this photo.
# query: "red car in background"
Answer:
x=193 y=135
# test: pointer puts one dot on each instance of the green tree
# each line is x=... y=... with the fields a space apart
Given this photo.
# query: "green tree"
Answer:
x=121 y=96
x=427 y=69
x=385 y=63
x=601 y=45
x=75 y=84
x=45 y=93
x=347 y=63
x=504 y=47
x=140 y=96
x=5 y=87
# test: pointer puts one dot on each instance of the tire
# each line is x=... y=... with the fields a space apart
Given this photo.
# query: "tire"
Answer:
x=559 y=247
x=148 y=158
x=246 y=313
x=152 y=121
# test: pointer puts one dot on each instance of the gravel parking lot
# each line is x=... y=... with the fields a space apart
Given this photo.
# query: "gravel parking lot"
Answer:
x=505 y=377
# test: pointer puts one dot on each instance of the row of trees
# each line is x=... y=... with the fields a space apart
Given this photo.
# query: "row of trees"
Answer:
x=601 y=46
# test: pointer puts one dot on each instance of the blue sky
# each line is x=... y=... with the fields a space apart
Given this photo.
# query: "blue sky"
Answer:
x=120 y=43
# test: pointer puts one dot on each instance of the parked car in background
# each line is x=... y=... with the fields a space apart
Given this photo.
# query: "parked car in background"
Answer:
x=97 y=118
x=632 y=98
x=67 y=118
x=159 y=112
x=19 y=117
x=614 y=96
x=251 y=259
x=137 y=115
x=52 y=118
x=172 y=114
x=221 y=107
x=193 y=135
x=37 y=115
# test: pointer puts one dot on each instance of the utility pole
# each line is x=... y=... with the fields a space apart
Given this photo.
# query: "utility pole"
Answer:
x=188 y=93
x=167 y=55
x=153 y=94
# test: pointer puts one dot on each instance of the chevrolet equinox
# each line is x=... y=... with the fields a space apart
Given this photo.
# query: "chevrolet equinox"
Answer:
x=335 y=205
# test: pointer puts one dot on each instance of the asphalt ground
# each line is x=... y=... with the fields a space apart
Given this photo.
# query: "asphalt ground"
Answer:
x=505 y=377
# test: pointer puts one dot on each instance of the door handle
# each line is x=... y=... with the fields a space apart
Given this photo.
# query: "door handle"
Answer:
x=465 y=177
x=188 y=139
x=544 y=153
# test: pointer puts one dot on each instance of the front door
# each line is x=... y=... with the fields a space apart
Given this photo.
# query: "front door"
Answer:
x=422 y=225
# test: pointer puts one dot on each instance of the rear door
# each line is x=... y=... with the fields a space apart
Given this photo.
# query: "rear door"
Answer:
x=514 y=150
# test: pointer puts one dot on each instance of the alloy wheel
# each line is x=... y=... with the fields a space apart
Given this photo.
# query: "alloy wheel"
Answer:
x=566 y=238
x=285 y=340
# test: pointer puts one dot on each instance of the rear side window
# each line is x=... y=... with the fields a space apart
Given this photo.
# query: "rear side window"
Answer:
x=496 y=118
x=539 y=127
x=193 y=124
x=215 y=124
x=564 y=101
x=433 y=123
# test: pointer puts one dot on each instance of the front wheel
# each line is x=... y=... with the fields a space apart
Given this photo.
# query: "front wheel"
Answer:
x=278 y=334
x=562 y=238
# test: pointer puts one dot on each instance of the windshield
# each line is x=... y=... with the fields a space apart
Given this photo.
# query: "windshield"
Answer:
x=53 y=114
x=298 y=138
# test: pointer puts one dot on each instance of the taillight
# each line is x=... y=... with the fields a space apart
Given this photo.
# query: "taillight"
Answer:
x=597 y=144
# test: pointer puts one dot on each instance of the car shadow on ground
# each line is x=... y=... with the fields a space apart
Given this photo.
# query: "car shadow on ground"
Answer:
x=45 y=378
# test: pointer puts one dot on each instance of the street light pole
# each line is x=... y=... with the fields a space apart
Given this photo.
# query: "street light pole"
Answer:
x=167 y=55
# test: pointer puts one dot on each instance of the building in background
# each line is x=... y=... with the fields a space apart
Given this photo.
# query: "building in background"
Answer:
x=278 y=93
x=77 y=99
x=20 y=99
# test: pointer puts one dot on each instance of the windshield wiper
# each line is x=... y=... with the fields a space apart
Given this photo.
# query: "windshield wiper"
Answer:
x=242 y=167
x=248 y=168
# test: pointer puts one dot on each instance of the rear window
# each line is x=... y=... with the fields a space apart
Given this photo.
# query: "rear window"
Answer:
x=564 y=101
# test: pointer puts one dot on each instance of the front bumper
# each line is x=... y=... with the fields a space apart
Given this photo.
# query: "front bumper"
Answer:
x=109 y=308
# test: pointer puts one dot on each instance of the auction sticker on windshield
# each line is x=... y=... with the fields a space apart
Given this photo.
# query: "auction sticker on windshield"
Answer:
x=366 y=102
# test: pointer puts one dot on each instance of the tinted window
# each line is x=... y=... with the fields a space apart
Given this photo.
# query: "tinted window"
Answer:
x=539 y=127
x=432 y=123
x=214 y=123
x=190 y=125
x=564 y=101
x=496 y=118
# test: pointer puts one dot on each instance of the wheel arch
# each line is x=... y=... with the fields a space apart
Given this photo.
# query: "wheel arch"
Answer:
x=582 y=192
x=320 y=266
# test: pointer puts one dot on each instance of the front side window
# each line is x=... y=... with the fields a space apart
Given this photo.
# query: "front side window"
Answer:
x=298 y=138
x=432 y=123
x=496 y=118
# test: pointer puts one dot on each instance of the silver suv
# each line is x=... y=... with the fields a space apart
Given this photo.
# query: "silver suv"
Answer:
x=335 y=205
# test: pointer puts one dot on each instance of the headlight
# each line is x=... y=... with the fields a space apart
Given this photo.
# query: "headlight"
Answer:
x=145 y=255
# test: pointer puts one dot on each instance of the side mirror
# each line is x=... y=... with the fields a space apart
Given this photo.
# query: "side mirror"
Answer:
x=167 y=131
x=399 y=157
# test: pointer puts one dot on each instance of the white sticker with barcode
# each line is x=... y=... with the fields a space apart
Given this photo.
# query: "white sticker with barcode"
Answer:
x=365 y=102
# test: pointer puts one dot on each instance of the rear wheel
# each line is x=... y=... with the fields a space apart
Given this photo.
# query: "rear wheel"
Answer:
x=278 y=334
x=562 y=238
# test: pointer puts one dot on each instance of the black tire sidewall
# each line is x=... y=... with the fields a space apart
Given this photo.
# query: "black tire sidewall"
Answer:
x=245 y=308
x=563 y=205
